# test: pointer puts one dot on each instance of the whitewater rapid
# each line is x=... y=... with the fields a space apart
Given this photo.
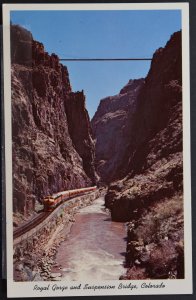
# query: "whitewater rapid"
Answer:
x=95 y=247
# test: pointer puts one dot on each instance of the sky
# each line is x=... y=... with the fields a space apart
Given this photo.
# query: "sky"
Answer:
x=101 y=34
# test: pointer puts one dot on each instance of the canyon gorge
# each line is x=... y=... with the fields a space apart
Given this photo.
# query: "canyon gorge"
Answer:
x=132 y=146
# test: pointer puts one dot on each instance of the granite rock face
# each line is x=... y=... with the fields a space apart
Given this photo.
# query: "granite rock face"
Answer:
x=148 y=188
x=81 y=132
x=47 y=156
x=158 y=115
x=155 y=133
x=109 y=126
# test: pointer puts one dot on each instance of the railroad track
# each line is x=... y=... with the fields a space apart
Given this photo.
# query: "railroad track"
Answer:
x=36 y=221
x=30 y=225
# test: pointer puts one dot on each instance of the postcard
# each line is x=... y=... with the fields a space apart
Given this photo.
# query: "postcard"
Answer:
x=97 y=149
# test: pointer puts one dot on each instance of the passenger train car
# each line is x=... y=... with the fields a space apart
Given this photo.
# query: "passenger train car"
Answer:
x=50 y=202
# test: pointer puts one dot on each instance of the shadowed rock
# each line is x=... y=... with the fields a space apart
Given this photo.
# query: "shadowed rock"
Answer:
x=147 y=182
x=109 y=126
x=47 y=157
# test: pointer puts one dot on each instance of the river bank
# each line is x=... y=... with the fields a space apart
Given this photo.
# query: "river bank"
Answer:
x=33 y=262
x=95 y=246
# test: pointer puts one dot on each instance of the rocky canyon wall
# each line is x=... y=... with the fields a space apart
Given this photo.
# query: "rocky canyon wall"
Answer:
x=109 y=126
x=52 y=145
x=146 y=188
x=155 y=135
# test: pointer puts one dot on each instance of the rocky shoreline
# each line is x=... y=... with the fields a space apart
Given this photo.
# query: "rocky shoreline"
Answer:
x=155 y=245
x=39 y=264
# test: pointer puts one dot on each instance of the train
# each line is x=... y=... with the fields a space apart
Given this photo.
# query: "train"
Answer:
x=52 y=201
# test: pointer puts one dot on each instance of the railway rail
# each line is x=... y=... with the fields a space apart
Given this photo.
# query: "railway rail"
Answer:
x=38 y=219
x=31 y=224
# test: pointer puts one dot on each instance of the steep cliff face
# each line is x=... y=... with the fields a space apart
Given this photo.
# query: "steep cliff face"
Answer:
x=149 y=192
x=155 y=129
x=81 y=132
x=158 y=109
x=46 y=156
x=110 y=129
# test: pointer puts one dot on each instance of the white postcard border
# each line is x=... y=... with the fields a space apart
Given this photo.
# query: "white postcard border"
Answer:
x=27 y=289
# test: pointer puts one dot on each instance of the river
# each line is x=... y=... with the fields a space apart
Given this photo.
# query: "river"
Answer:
x=95 y=247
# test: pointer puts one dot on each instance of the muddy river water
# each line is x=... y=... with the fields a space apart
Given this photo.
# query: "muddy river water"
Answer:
x=95 y=247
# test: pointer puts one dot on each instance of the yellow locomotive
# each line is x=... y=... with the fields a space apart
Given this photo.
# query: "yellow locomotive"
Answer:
x=50 y=202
